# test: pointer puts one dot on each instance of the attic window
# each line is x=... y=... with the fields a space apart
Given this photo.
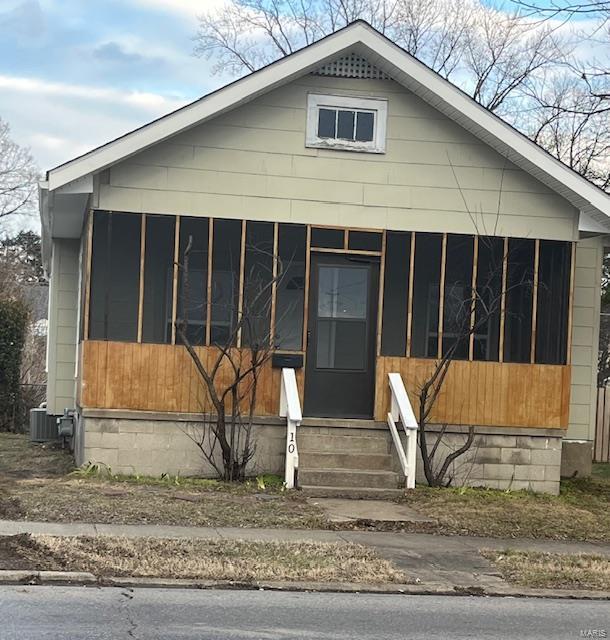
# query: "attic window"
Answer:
x=346 y=123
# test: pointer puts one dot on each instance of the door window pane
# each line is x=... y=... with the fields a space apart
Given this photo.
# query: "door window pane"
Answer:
x=290 y=294
x=192 y=299
x=258 y=277
x=225 y=280
x=115 y=276
x=395 y=293
x=343 y=292
x=341 y=345
x=457 y=301
x=553 y=302
x=489 y=298
x=426 y=278
x=519 y=300
x=158 y=279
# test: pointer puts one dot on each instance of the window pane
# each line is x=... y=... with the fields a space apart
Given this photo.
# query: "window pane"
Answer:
x=426 y=278
x=553 y=301
x=395 y=293
x=327 y=238
x=326 y=123
x=225 y=280
x=343 y=292
x=365 y=240
x=345 y=125
x=458 y=295
x=258 y=276
x=115 y=276
x=341 y=344
x=290 y=295
x=519 y=300
x=158 y=279
x=364 y=126
x=489 y=298
x=192 y=300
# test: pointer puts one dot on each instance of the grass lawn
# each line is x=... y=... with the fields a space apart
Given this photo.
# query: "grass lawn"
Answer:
x=552 y=570
x=36 y=484
x=200 y=559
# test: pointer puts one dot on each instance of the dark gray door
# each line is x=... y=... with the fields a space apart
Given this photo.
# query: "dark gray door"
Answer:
x=342 y=320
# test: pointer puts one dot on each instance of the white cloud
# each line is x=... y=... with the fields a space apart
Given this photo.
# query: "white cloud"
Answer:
x=186 y=8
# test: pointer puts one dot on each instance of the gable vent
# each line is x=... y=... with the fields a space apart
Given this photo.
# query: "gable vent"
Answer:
x=351 y=66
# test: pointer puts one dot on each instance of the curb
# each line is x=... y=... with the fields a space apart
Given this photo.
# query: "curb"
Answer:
x=82 y=578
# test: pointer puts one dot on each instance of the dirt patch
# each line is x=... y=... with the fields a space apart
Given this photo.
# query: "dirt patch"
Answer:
x=552 y=570
x=238 y=560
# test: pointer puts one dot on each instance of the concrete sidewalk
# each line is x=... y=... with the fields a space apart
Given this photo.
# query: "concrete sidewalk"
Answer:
x=440 y=561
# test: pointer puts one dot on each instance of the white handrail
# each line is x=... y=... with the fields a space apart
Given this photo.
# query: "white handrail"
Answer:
x=401 y=409
x=290 y=408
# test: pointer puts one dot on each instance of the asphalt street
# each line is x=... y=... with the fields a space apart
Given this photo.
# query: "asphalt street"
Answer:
x=92 y=613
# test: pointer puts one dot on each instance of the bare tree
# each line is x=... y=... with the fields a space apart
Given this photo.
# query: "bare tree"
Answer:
x=230 y=375
x=18 y=177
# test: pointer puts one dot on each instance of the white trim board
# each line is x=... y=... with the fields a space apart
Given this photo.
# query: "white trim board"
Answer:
x=358 y=37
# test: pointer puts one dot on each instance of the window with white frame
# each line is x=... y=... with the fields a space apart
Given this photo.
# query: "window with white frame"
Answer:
x=346 y=123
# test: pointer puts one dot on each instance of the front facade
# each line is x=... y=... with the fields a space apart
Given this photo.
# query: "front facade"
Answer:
x=388 y=208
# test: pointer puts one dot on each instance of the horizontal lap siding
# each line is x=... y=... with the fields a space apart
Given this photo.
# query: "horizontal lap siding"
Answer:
x=252 y=163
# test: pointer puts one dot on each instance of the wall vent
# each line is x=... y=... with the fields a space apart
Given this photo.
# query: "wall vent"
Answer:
x=351 y=66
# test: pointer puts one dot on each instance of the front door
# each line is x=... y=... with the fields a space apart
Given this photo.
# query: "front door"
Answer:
x=342 y=321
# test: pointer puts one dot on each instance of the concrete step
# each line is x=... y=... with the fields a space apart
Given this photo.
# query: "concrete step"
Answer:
x=353 y=493
x=348 y=478
x=361 y=461
x=343 y=444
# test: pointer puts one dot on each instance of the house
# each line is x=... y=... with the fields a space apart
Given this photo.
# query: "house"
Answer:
x=392 y=193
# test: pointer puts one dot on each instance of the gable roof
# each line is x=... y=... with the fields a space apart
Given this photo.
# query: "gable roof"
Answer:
x=363 y=40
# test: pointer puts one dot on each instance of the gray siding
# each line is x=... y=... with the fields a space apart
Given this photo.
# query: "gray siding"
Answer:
x=252 y=163
x=585 y=338
x=63 y=306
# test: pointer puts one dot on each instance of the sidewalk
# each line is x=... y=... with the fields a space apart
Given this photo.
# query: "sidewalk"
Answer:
x=436 y=561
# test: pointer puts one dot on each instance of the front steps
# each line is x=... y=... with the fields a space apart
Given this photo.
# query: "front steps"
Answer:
x=341 y=458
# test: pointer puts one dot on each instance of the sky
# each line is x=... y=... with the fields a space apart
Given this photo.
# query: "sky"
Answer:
x=76 y=73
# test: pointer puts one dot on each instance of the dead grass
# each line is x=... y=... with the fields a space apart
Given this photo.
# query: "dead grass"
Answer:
x=552 y=570
x=237 y=560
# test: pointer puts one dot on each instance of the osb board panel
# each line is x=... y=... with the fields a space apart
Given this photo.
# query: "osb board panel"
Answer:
x=484 y=393
x=159 y=377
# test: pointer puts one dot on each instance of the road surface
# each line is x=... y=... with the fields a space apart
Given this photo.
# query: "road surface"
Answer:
x=92 y=613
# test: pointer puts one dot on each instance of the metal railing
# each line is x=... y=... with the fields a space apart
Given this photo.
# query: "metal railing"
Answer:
x=290 y=408
x=402 y=410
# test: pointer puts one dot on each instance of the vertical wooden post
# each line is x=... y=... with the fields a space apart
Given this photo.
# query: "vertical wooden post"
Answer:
x=441 y=297
x=208 y=298
x=142 y=264
x=503 y=301
x=175 y=278
x=242 y=265
x=571 y=305
x=88 y=259
x=410 y=293
x=473 y=304
x=535 y=302
x=274 y=282
x=306 y=300
x=381 y=285
x=345 y=239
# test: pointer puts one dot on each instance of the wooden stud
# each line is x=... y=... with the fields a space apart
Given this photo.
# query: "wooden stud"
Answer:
x=357 y=252
x=274 y=282
x=503 y=301
x=175 y=279
x=473 y=305
x=535 y=302
x=346 y=239
x=208 y=304
x=88 y=259
x=142 y=264
x=242 y=266
x=441 y=297
x=410 y=293
x=571 y=304
x=381 y=285
x=306 y=301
